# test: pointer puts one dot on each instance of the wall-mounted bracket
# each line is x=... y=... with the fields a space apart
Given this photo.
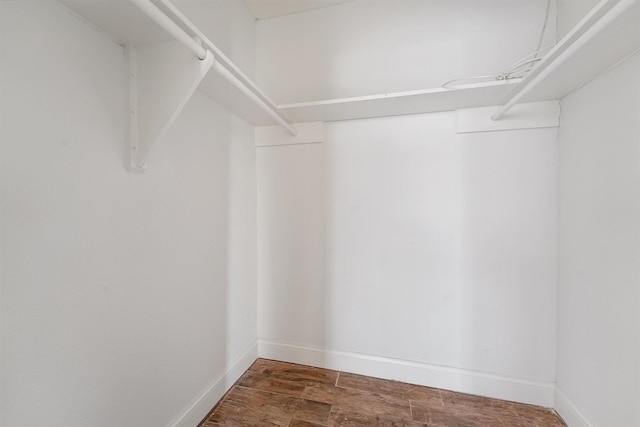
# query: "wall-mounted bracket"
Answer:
x=162 y=78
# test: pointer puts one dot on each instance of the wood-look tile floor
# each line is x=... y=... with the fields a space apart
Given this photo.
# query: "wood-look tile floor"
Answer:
x=283 y=394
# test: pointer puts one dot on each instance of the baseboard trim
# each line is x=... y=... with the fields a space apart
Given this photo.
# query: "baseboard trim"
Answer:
x=569 y=411
x=202 y=405
x=460 y=380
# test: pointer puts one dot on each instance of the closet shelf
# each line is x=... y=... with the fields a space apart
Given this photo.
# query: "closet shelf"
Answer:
x=127 y=24
x=607 y=35
x=124 y=22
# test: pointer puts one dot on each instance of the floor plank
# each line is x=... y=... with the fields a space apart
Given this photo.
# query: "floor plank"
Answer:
x=282 y=394
x=230 y=415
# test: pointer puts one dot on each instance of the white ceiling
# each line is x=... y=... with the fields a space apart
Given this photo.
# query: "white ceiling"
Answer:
x=263 y=9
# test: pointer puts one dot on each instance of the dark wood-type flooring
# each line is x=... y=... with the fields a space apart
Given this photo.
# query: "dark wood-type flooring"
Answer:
x=283 y=394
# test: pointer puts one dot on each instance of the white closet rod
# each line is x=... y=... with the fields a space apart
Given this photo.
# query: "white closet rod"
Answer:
x=160 y=18
x=600 y=17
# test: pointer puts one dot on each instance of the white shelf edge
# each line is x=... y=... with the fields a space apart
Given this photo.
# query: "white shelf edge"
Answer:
x=389 y=95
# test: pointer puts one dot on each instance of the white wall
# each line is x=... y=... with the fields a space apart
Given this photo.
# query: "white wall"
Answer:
x=397 y=238
x=368 y=47
x=124 y=298
x=400 y=239
x=599 y=247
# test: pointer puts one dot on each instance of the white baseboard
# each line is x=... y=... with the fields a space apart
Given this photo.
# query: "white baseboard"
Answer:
x=201 y=407
x=568 y=410
x=460 y=380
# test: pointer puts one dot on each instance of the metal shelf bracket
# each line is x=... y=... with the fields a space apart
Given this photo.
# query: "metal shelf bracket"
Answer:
x=162 y=77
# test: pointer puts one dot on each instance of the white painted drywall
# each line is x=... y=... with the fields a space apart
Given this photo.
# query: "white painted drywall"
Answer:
x=368 y=47
x=124 y=297
x=401 y=239
x=599 y=249
x=397 y=238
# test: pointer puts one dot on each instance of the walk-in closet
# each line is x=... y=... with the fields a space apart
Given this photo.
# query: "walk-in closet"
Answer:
x=201 y=193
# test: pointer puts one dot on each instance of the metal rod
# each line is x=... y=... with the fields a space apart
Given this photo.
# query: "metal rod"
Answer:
x=599 y=18
x=224 y=72
x=171 y=27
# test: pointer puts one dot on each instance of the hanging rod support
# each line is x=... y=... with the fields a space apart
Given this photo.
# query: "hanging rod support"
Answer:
x=195 y=45
x=171 y=27
x=228 y=69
